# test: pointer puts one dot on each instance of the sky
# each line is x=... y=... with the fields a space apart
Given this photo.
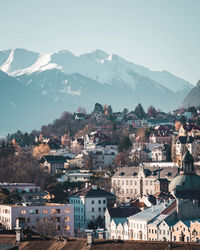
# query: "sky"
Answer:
x=158 y=34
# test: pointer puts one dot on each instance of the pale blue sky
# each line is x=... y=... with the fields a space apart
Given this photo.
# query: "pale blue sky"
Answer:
x=159 y=34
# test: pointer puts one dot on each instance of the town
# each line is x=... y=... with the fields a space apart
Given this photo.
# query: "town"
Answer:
x=130 y=176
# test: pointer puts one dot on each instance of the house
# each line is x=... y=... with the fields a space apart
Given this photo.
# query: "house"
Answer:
x=29 y=192
x=158 y=154
x=21 y=187
x=165 y=229
x=53 y=163
x=154 y=232
x=119 y=229
x=158 y=122
x=80 y=116
x=195 y=230
x=90 y=203
x=61 y=214
x=94 y=138
x=117 y=213
x=181 y=231
x=162 y=134
x=76 y=176
x=138 y=223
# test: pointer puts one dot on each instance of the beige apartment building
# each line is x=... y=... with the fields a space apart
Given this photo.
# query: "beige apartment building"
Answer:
x=131 y=182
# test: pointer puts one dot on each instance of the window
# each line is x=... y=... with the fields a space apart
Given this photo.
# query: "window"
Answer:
x=67 y=227
x=57 y=219
x=67 y=210
x=92 y=209
x=127 y=191
x=23 y=211
x=147 y=191
x=147 y=183
x=174 y=238
x=99 y=209
x=55 y=211
x=149 y=230
x=135 y=182
x=155 y=231
x=92 y=217
x=34 y=211
x=104 y=201
x=122 y=182
x=92 y=201
x=99 y=201
x=135 y=191
x=45 y=211
x=104 y=209
x=151 y=182
x=126 y=182
x=131 y=182
x=118 y=182
x=67 y=219
x=131 y=191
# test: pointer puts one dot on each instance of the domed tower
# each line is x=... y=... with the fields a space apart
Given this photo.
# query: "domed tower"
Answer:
x=186 y=189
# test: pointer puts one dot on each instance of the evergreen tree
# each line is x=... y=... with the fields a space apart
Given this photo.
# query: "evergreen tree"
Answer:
x=124 y=144
x=98 y=108
x=139 y=111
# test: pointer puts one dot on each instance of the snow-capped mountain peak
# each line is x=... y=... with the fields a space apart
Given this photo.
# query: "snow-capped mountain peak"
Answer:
x=98 y=65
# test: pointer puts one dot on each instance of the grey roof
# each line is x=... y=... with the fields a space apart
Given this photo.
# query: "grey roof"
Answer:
x=150 y=172
x=150 y=213
x=156 y=221
x=122 y=212
x=120 y=220
x=95 y=192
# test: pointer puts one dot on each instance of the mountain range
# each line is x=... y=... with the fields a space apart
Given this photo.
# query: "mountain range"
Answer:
x=37 y=87
x=193 y=98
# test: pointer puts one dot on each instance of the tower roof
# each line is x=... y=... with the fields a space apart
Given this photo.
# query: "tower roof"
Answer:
x=187 y=157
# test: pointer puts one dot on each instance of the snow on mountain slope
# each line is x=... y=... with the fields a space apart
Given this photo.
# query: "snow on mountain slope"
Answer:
x=98 y=65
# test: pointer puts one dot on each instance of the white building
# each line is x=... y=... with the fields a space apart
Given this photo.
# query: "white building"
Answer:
x=158 y=154
x=76 y=176
x=138 y=223
x=119 y=229
x=90 y=203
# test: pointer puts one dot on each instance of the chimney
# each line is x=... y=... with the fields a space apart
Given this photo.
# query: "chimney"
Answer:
x=90 y=237
x=19 y=232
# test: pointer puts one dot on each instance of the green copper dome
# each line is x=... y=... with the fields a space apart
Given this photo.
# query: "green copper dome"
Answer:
x=187 y=184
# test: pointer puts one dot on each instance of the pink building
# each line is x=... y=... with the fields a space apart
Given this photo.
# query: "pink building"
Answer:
x=61 y=214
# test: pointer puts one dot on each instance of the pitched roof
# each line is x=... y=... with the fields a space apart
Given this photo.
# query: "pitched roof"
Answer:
x=53 y=158
x=122 y=212
x=93 y=191
x=120 y=220
x=150 y=213
x=150 y=172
